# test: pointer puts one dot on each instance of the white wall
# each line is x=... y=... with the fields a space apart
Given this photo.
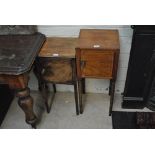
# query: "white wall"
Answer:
x=93 y=85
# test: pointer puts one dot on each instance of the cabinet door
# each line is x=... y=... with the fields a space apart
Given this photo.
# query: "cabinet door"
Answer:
x=97 y=63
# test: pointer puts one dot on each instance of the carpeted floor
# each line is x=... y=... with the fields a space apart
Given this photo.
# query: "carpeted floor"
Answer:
x=63 y=116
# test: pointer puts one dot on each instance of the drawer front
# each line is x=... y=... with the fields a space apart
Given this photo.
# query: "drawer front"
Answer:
x=97 y=64
x=58 y=71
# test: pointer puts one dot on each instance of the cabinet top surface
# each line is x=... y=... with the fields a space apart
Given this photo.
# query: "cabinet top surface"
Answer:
x=59 y=47
x=98 y=39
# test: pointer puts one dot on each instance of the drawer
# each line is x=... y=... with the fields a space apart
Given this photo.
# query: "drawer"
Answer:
x=97 y=64
x=57 y=71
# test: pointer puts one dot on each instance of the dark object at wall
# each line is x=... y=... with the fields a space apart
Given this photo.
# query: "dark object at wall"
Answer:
x=123 y=120
x=151 y=99
x=6 y=97
x=17 y=29
x=140 y=68
x=133 y=120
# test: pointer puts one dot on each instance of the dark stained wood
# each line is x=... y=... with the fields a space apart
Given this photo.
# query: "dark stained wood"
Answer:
x=97 y=56
x=76 y=97
x=17 y=55
x=80 y=96
x=59 y=47
x=15 y=81
x=54 y=88
x=78 y=63
x=18 y=52
x=112 y=91
x=83 y=86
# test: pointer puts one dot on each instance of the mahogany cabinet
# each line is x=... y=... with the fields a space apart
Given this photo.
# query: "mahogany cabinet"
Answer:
x=97 y=56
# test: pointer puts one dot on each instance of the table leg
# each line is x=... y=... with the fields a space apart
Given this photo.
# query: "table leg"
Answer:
x=112 y=96
x=76 y=97
x=43 y=87
x=83 y=86
x=80 y=96
x=54 y=88
x=25 y=101
x=45 y=93
x=110 y=85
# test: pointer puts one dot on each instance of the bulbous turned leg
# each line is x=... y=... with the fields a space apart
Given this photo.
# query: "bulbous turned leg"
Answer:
x=26 y=103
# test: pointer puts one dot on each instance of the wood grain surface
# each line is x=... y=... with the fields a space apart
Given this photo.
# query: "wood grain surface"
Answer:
x=58 y=71
x=97 y=64
x=97 y=53
x=59 y=47
x=98 y=39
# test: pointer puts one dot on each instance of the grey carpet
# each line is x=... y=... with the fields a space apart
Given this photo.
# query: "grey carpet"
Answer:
x=63 y=115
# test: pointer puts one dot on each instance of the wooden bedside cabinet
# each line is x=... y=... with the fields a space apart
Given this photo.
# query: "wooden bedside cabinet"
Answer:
x=56 y=64
x=97 y=56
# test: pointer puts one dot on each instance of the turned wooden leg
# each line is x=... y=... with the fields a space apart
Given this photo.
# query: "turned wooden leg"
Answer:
x=76 y=97
x=26 y=103
x=80 y=96
x=112 y=97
